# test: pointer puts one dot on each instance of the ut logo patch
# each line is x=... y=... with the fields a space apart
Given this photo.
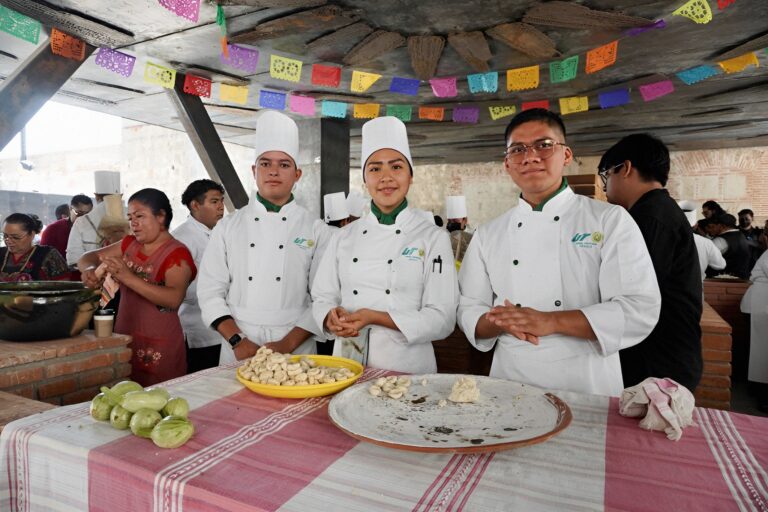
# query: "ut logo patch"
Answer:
x=413 y=253
x=304 y=243
x=587 y=239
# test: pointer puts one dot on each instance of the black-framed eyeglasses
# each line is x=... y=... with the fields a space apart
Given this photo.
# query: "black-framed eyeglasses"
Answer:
x=543 y=148
x=603 y=173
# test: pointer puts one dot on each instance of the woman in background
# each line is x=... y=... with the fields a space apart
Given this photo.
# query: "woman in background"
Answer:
x=153 y=270
x=24 y=261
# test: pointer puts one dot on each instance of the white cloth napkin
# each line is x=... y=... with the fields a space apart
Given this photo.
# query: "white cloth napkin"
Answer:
x=664 y=404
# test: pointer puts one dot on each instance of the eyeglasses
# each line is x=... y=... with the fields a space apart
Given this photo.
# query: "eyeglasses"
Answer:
x=79 y=213
x=15 y=238
x=544 y=149
x=603 y=173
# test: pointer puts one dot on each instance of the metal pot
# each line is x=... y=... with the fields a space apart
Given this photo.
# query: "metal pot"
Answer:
x=45 y=310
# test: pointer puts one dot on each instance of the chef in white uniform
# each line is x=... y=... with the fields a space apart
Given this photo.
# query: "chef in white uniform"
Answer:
x=709 y=254
x=205 y=201
x=560 y=283
x=755 y=303
x=253 y=282
x=388 y=277
x=356 y=204
x=335 y=211
x=84 y=235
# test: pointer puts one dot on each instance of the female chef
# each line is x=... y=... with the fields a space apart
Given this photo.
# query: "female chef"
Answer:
x=386 y=286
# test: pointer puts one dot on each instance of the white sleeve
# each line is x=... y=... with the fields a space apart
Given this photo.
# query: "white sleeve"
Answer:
x=477 y=296
x=75 y=247
x=213 y=278
x=326 y=286
x=629 y=293
x=715 y=258
x=437 y=317
x=721 y=245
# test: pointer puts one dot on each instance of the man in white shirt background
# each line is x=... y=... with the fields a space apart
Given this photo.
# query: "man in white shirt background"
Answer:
x=205 y=201
x=84 y=235
x=709 y=255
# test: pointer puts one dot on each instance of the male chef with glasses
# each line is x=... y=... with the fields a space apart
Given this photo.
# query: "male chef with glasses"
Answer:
x=561 y=282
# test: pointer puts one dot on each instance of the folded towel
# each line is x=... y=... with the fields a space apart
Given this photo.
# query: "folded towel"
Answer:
x=664 y=404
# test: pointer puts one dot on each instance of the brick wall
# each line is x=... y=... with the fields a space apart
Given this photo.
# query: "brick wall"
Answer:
x=714 y=390
x=725 y=298
x=66 y=371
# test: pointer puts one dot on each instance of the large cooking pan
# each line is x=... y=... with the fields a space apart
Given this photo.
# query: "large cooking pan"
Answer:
x=45 y=310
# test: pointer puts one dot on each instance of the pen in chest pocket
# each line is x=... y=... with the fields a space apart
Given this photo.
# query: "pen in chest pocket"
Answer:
x=437 y=262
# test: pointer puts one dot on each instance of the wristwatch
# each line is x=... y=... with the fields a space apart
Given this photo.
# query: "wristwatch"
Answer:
x=236 y=338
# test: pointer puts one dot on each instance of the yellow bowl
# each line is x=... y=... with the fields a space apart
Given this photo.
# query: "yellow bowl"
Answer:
x=311 y=390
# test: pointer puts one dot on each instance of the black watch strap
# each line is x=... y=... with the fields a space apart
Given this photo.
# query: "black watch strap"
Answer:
x=235 y=339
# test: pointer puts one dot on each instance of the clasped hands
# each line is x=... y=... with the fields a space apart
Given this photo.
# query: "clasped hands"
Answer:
x=526 y=324
x=344 y=324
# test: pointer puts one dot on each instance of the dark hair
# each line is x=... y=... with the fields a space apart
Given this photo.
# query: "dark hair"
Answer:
x=648 y=155
x=535 y=114
x=196 y=191
x=62 y=209
x=438 y=221
x=714 y=206
x=81 y=199
x=155 y=200
x=747 y=211
x=725 y=219
x=703 y=223
x=29 y=221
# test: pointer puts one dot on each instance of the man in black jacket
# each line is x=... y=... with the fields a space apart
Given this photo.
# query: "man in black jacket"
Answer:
x=732 y=244
x=634 y=173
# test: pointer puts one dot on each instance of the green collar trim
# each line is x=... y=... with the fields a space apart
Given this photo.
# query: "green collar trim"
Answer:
x=540 y=207
x=271 y=207
x=388 y=218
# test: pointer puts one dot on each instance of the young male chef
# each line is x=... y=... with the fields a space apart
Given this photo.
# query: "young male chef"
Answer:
x=387 y=280
x=205 y=201
x=559 y=283
x=253 y=283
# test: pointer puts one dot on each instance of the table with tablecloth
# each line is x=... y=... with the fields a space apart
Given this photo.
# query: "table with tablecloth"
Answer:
x=254 y=453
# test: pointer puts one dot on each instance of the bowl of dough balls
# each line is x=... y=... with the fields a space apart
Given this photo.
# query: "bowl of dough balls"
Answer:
x=293 y=376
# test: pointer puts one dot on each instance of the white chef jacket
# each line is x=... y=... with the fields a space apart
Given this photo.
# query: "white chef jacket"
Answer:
x=755 y=303
x=257 y=268
x=709 y=254
x=83 y=236
x=405 y=269
x=195 y=235
x=577 y=253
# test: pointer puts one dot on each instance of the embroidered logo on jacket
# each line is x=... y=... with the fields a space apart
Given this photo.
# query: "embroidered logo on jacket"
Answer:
x=304 y=243
x=413 y=253
x=587 y=240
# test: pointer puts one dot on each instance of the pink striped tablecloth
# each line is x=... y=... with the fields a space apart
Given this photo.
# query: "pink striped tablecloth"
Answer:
x=253 y=453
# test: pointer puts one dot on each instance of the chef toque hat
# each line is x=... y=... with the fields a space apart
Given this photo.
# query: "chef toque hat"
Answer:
x=277 y=132
x=335 y=206
x=106 y=182
x=689 y=209
x=385 y=133
x=455 y=207
x=355 y=203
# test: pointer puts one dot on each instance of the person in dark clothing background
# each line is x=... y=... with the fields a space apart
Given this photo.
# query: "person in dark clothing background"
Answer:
x=752 y=233
x=732 y=244
x=635 y=172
